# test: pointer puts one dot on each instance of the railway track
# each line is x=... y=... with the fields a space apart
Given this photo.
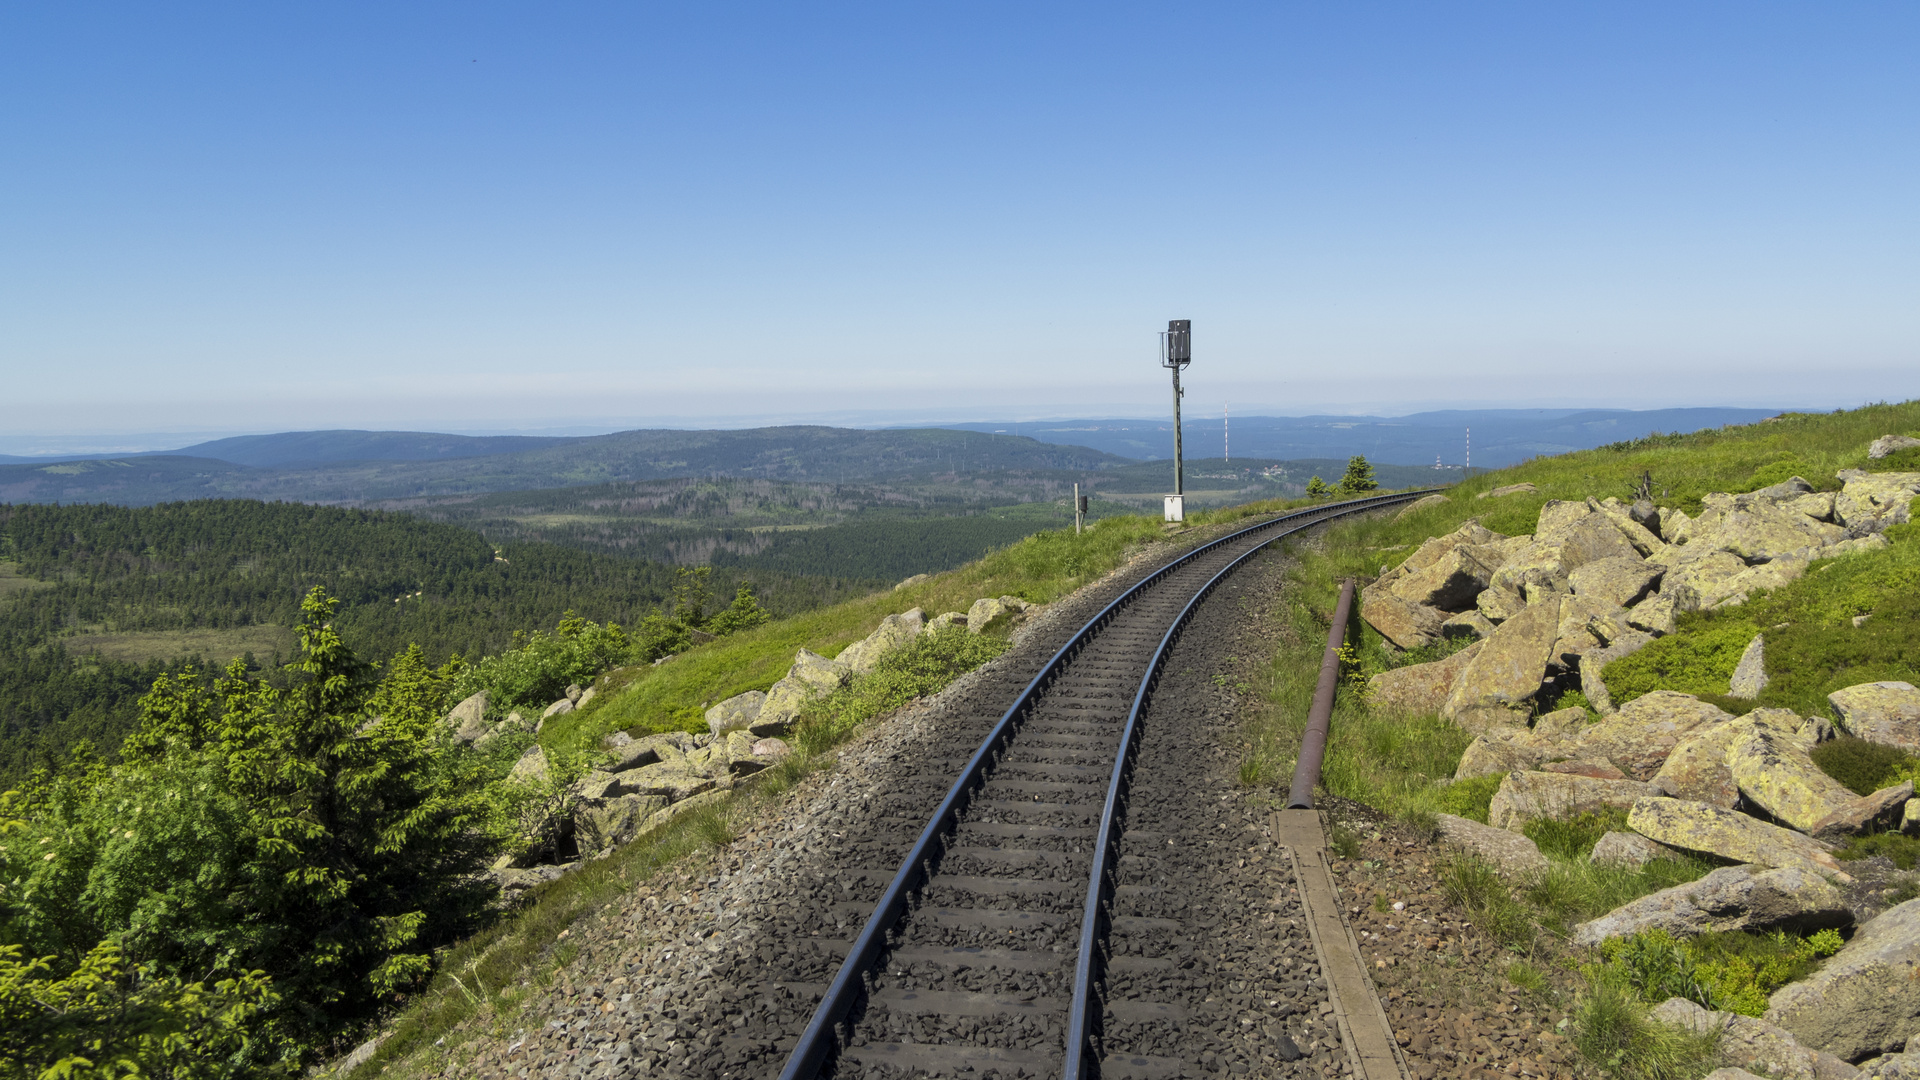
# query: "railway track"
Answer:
x=1046 y=921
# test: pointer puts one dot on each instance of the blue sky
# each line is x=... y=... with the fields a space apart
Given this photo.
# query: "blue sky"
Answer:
x=492 y=216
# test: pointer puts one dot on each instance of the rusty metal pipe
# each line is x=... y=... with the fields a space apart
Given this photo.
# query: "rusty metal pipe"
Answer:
x=1313 y=745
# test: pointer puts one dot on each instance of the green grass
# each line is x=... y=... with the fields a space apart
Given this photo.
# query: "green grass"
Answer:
x=1573 y=839
x=1612 y=1031
x=1903 y=850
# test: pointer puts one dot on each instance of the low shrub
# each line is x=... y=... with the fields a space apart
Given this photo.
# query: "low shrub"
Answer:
x=1700 y=662
x=1733 y=972
x=1863 y=767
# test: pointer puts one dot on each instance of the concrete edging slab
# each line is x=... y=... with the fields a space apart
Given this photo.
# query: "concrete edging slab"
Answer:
x=1371 y=1049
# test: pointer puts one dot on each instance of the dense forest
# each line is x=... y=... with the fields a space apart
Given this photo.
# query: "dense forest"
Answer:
x=81 y=571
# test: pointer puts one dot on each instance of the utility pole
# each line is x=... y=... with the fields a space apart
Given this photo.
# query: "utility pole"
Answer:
x=1079 y=509
x=1226 y=439
x=1176 y=352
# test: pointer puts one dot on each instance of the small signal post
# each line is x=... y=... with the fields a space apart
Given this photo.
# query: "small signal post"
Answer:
x=1176 y=352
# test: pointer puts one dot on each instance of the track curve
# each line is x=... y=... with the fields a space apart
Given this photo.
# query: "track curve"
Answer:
x=991 y=947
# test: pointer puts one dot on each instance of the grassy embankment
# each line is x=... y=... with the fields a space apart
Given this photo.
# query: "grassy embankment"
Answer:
x=485 y=982
x=1401 y=764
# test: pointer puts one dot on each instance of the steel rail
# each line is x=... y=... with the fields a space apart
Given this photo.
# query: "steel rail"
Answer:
x=1089 y=966
x=810 y=1054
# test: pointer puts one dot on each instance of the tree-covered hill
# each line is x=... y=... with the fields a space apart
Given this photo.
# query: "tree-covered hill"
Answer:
x=822 y=454
x=164 y=574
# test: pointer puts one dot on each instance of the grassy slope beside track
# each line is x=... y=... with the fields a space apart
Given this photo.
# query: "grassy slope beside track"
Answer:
x=1399 y=764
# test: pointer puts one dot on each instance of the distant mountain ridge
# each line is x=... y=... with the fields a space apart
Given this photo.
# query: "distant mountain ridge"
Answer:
x=1500 y=437
x=369 y=466
x=782 y=453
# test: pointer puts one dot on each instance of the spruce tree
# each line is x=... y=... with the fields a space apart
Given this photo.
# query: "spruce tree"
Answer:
x=1359 y=476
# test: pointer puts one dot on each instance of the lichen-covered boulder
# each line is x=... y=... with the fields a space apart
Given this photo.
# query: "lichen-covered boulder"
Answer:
x=1617 y=580
x=1407 y=625
x=820 y=674
x=1878 y=812
x=1696 y=769
x=1525 y=796
x=1420 y=504
x=1488 y=755
x=736 y=713
x=988 y=613
x=1750 y=674
x=1776 y=774
x=1886 y=444
x=1710 y=830
x=1420 y=688
x=893 y=632
x=945 y=619
x=1655 y=616
x=673 y=780
x=468 y=720
x=1468 y=624
x=611 y=822
x=532 y=766
x=1627 y=849
x=649 y=750
x=1595 y=770
x=1758 y=528
x=1644 y=540
x=1641 y=734
x=1498 y=683
x=1882 y=712
x=1869 y=502
x=1509 y=489
x=1499 y=605
x=1592 y=539
x=1449 y=583
x=1577 y=635
x=1730 y=898
x=1533 y=573
x=1510 y=851
x=1865 y=999
x=1701 y=580
x=1753 y=1044
x=1559 y=727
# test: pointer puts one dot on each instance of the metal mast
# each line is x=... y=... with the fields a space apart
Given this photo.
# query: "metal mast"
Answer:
x=1176 y=352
